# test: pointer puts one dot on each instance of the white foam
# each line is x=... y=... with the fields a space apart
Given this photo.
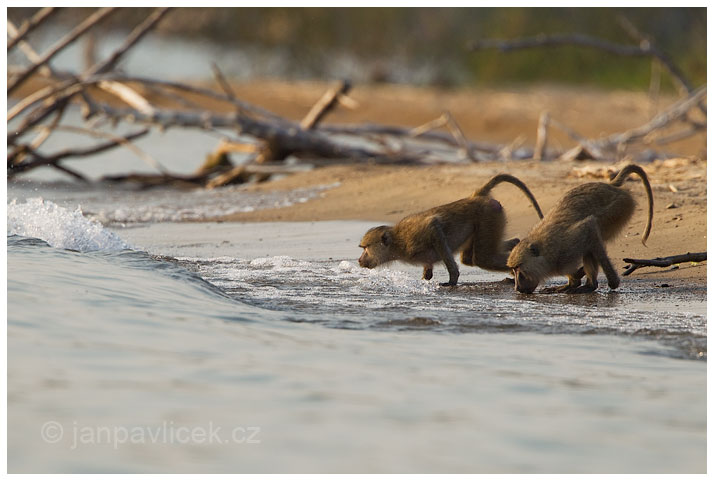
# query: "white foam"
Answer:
x=280 y=263
x=60 y=227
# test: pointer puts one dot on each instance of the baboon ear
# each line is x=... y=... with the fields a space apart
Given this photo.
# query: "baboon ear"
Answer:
x=386 y=238
x=534 y=249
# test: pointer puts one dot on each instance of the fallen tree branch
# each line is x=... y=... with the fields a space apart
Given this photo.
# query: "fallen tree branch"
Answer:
x=135 y=36
x=542 y=131
x=29 y=25
x=68 y=39
x=674 y=112
x=663 y=262
x=36 y=159
x=325 y=104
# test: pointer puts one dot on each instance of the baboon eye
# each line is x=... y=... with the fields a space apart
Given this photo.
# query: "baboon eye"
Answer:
x=385 y=239
x=534 y=249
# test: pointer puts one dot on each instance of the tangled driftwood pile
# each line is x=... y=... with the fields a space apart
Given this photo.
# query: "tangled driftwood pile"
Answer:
x=107 y=97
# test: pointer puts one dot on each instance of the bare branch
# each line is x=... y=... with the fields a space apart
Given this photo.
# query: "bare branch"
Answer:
x=676 y=111
x=325 y=104
x=127 y=94
x=222 y=82
x=242 y=105
x=135 y=36
x=663 y=262
x=27 y=49
x=29 y=25
x=37 y=159
x=542 y=132
x=68 y=39
x=121 y=141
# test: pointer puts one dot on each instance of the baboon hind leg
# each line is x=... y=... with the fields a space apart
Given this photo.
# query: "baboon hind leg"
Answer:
x=590 y=268
x=489 y=251
x=573 y=283
x=594 y=257
x=467 y=254
x=441 y=247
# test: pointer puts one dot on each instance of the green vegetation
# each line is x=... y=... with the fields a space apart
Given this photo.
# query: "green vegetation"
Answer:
x=437 y=38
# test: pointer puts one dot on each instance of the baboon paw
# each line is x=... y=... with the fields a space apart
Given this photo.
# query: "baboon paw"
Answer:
x=449 y=283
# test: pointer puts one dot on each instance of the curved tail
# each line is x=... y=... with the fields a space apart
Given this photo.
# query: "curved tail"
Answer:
x=622 y=176
x=498 y=179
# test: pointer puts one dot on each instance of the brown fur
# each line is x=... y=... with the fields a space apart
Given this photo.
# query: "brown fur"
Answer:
x=474 y=225
x=574 y=232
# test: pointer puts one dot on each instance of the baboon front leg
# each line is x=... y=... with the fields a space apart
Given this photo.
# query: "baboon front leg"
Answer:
x=439 y=244
x=601 y=257
x=427 y=272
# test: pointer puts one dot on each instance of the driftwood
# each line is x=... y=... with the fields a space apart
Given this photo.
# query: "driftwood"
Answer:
x=142 y=101
x=108 y=97
x=325 y=104
x=663 y=262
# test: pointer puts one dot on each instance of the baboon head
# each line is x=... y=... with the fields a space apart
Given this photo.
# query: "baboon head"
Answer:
x=527 y=265
x=377 y=247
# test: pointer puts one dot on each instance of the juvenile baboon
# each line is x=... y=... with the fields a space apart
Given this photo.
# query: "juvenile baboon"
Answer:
x=574 y=233
x=474 y=225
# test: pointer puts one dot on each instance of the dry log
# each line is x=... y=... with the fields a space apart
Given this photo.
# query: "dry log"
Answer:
x=663 y=262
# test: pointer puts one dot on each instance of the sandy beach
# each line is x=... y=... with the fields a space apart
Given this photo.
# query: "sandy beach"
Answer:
x=382 y=193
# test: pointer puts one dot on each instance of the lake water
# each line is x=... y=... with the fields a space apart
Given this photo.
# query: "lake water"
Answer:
x=146 y=345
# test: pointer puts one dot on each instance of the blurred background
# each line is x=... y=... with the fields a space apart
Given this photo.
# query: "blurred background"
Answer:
x=419 y=46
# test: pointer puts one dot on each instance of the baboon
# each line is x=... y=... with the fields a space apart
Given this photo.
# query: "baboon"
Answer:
x=571 y=239
x=474 y=225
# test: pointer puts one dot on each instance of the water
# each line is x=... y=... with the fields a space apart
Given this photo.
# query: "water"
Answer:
x=222 y=347
x=191 y=58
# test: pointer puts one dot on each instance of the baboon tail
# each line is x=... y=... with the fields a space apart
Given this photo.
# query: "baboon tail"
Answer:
x=498 y=179
x=622 y=176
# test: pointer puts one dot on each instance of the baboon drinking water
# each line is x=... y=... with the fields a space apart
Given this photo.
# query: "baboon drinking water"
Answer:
x=474 y=225
x=574 y=234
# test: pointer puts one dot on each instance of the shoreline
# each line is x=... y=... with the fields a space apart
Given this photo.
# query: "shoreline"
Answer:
x=385 y=194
